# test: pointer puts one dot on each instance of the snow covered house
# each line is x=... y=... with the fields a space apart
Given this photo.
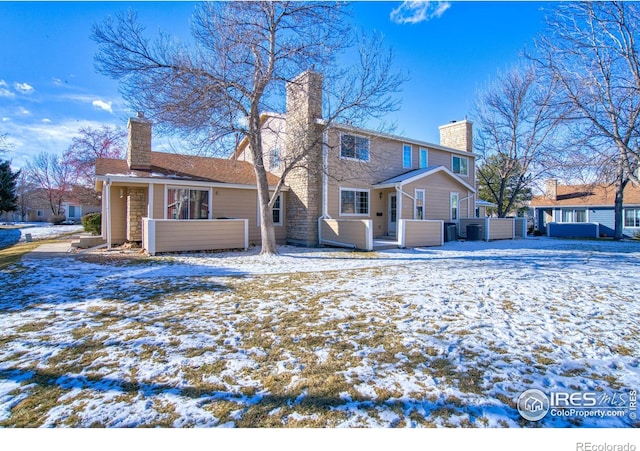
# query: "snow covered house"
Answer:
x=357 y=186
x=584 y=210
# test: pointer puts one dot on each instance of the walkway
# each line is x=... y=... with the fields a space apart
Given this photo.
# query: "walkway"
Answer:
x=49 y=250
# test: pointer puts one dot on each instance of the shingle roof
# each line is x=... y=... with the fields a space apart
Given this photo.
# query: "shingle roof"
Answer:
x=587 y=195
x=408 y=175
x=187 y=167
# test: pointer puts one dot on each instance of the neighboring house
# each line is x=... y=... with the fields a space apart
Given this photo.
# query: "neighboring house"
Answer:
x=33 y=206
x=357 y=185
x=585 y=210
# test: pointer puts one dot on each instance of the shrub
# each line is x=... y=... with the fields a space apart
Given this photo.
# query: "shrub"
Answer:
x=57 y=219
x=92 y=223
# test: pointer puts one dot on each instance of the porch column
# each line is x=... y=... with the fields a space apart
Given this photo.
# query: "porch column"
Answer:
x=136 y=210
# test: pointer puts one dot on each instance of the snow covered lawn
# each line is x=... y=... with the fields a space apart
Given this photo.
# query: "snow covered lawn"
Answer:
x=38 y=230
x=446 y=336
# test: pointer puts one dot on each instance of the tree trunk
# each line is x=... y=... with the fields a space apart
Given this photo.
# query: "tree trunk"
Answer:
x=618 y=210
x=267 y=230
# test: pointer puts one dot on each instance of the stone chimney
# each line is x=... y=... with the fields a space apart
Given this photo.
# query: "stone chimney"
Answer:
x=551 y=189
x=139 y=146
x=457 y=135
x=303 y=134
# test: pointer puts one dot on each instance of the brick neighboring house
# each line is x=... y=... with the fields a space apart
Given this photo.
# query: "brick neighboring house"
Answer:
x=585 y=210
x=361 y=185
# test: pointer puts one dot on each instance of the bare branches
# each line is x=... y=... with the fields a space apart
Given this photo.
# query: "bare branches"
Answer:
x=591 y=50
x=516 y=128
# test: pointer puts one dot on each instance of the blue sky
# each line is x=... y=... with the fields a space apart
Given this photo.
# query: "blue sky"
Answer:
x=49 y=88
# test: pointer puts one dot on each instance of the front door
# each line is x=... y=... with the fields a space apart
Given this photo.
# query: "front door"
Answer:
x=393 y=214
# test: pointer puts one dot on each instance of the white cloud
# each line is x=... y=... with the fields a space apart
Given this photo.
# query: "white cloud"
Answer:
x=106 y=106
x=46 y=120
x=4 y=92
x=24 y=111
x=414 y=12
x=24 y=88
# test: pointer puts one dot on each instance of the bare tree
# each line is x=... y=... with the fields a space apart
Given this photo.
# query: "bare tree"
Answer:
x=48 y=172
x=94 y=143
x=516 y=131
x=591 y=49
x=243 y=56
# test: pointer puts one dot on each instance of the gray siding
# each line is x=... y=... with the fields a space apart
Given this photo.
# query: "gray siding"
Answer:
x=605 y=217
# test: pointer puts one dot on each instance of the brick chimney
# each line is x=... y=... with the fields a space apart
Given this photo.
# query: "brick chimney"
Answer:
x=457 y=135
x=551 y=189
x=139 y=146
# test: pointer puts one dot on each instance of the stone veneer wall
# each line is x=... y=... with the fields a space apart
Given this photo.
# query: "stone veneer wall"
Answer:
x=457 y=135
x=139 y=145
x=136 y=210
x=304 y=199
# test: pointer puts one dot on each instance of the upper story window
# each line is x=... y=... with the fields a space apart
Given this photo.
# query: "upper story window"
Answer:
x=460 y=165
x=274 y=158
x=406 y=156
x=184 y=203
x=354 y=147
x=424 y=158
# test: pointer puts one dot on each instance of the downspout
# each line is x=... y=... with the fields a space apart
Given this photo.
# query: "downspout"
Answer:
x=325 y=175
x=108 y=213
x=325 y=184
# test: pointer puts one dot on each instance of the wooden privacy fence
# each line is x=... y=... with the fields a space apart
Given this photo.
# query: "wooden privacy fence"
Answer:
x=351 y=233
x=496 y=228
x=420 y=233
x=172 y=235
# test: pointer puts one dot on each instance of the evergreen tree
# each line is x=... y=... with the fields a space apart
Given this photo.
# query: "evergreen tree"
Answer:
x=8 y=197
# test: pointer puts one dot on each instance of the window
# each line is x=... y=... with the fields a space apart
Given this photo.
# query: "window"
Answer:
x=419 y=203
x=354 y=147
x=460 y=165
x=274 y=158
x=574 y=215
x=424 y=158
x=39 y=213
x=353 y=202
x=632 y=217
x=406 y=156
x=184 y=203
x=454 y=206
x=277 y=210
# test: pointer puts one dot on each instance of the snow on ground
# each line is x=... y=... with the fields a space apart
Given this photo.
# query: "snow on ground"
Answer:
x=38 y=231
x=446 y=336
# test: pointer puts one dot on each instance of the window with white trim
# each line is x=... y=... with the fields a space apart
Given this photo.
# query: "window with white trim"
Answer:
x=455 y=198
x=406 y=156
x=424 y=158
x=460 y=165
x=574 y=215
x=419 y=205
x=186 y=203
x=354 y=202
x=274 y=158
x=277 y=211
x=632 y=217
x=354 y=147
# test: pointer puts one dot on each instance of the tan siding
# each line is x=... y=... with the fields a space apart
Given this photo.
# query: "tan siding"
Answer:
x=500 y=229
x=438 y=188
x=351 y=232
x=423 y=233
x=176 y=235
x=243 y=204
x=118 y=214
x=159 y=204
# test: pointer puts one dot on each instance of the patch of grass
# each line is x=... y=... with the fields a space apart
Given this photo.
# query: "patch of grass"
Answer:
x=12 y=255
x=622 y=350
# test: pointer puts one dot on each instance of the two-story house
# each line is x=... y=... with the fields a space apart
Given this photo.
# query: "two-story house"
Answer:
x=348 y=187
